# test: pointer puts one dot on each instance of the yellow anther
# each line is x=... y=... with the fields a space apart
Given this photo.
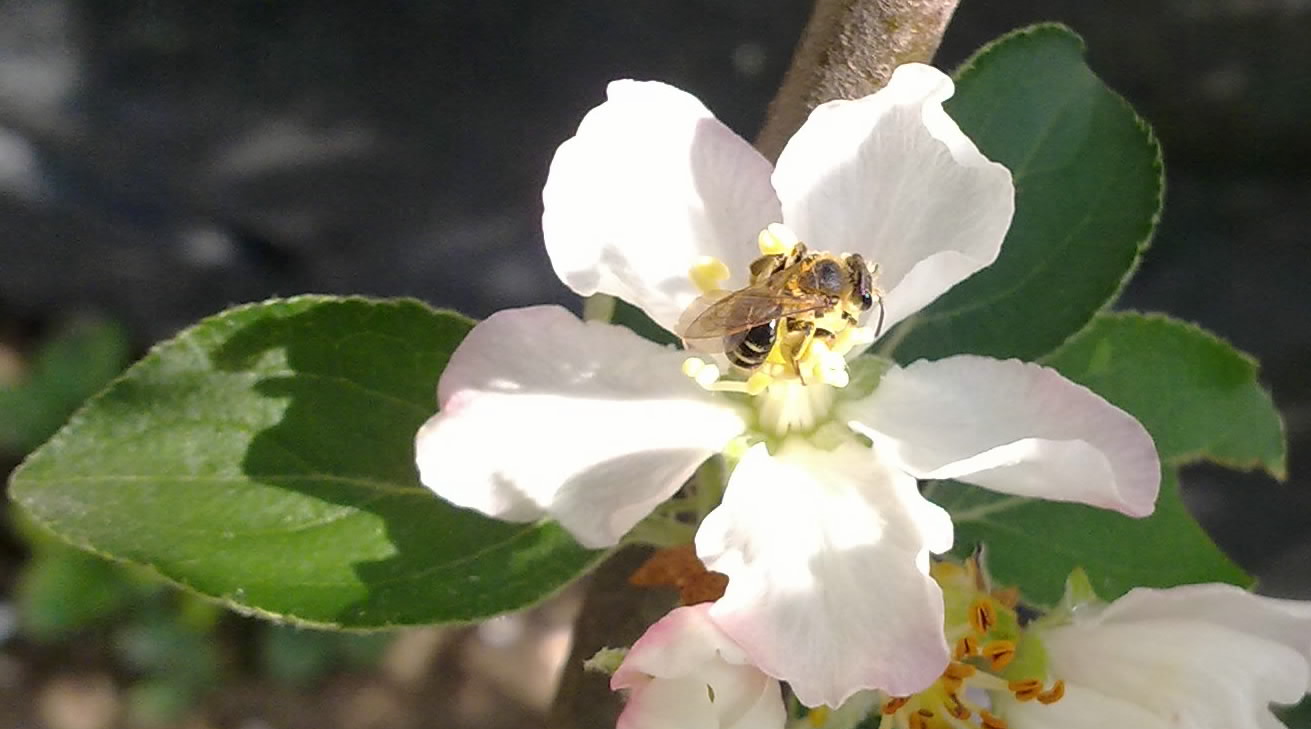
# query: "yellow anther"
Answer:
x=966 y=647
x=708 y=273
x=818 y=716
x=987 y=720
x=758 y=382
x=852 y=338
x=983 y=616
x=919 y=721
x=894 y=704
x=1025 y=689
x=1053 y=694
x=999 y=653
x=704 y=373
x=777 y=239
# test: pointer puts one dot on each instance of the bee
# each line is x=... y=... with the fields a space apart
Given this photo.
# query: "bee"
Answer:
x=787 y=294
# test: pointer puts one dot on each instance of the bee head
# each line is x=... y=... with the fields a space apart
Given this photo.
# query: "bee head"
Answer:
x=862 y=280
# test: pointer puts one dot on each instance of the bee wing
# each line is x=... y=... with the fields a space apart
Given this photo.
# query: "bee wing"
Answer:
x=714 y=316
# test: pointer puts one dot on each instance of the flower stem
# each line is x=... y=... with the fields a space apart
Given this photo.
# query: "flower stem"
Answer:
x=847 y=51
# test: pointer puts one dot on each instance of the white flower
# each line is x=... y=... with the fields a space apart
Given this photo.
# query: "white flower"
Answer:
x=684 y=673
x=1194 y=657
x=824 y=538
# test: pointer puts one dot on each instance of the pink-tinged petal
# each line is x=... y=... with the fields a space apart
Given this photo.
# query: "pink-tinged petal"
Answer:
x=827 y=554
x=1080 y=708
x=1012 y=427
x=676 y=645
x=651 y=182
x=892 y=177
x=1195 y=673
x=1283 y=622
x=684 y=672
x=542 y=414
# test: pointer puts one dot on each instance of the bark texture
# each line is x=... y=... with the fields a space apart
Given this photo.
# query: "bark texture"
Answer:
x=848 y=50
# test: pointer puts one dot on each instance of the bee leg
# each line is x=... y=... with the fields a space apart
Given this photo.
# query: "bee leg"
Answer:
x=807 y=331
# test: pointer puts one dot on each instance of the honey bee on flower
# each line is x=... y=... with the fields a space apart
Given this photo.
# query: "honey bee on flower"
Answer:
x=656 y=202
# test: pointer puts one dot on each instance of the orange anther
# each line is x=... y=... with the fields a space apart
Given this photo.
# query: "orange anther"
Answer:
x=894 y=704
x=1025 y=689
x=983 y=616
x=959 y=671
x=956 y=708
x=989 y=721
x=1053 y=694
x=999 y=653
x=966 y=647
x=918 y=721
x=1009 y=596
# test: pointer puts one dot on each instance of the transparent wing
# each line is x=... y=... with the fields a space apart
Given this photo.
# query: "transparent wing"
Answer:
x=715 y=316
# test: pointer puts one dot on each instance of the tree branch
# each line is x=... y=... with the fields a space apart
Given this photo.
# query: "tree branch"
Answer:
x=614 y=614
x=848 y=50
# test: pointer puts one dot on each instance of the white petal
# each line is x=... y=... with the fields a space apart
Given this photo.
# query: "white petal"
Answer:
x=683 y=661
x=892 y=177
x=545 y=415
x=681 y=703
x=827 y=558
x=1080 y=708
x=651 y=182
x=1208 y=675
x=1285 y=622
x=1013 y=427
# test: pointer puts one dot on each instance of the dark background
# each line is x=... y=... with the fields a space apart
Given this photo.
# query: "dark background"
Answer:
x=161 y=161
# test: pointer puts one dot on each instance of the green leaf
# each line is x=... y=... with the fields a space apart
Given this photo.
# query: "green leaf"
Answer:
x=71 y=367
x=264 y=457
x=1035 y=544
x=627 y=315
x=1296 y=717
x=1088 y=181
x=1199 y=397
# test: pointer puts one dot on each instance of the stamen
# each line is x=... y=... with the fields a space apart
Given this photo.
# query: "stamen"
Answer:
x=983 y=615
x=818 y=716
x=988 y=720
x=894 y=704
x=704 y=373
x=959 y=671
x=852 y=338
x=1026 y=689
x=788 y=406
x=823 y=366
x=707 y=273
x=777 y=239
x=758 y=382
x=966 y=647
x=999 y=653
x=1053 y=694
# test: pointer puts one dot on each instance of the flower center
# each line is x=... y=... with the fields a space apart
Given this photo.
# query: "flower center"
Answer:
x=992 y=654
x=787 y=334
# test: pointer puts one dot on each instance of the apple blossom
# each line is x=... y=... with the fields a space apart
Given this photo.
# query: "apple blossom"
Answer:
x=684 y=673
x=822 y=531
x=1199 y=656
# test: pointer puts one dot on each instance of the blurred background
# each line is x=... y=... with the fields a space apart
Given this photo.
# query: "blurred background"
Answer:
x=161 y=161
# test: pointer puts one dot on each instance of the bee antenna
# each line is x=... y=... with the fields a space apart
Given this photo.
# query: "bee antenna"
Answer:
x=878 y=328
